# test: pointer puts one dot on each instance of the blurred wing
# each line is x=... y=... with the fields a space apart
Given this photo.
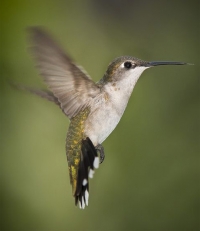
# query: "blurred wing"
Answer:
x=71 y=86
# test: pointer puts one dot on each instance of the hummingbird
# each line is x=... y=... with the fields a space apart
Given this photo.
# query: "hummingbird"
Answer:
x=94 y=109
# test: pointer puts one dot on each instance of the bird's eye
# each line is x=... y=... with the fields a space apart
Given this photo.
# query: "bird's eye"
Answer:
x=128 y=65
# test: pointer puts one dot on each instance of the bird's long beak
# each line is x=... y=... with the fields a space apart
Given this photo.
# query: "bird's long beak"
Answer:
x=157 y=63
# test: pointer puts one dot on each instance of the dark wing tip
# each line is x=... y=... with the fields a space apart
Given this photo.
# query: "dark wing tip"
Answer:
x=39 y=36
x=89 y=161
x=41 y=39
x=36 y=30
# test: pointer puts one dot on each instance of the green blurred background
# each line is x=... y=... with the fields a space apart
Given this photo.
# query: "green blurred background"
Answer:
x=149 y=179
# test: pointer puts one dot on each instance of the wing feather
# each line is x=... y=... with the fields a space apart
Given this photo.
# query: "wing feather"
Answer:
x=73 y=88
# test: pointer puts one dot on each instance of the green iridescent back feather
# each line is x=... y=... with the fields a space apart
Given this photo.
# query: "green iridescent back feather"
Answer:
x=75 y=135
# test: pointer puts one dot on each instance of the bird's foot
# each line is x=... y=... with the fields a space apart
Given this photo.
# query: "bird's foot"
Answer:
x=99 y=148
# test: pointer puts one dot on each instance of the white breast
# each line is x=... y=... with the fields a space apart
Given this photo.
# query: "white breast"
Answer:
x=106 y=114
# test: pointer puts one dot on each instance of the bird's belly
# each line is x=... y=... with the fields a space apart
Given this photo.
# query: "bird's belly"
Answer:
x=100 y=124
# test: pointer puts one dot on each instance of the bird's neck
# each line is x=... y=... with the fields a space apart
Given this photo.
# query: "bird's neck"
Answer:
x=120 y=91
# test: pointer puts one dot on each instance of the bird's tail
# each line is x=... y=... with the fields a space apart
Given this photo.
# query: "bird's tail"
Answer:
x=39 y=92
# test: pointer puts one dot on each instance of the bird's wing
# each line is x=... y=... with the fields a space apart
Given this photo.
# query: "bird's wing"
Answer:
x=69 y=83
